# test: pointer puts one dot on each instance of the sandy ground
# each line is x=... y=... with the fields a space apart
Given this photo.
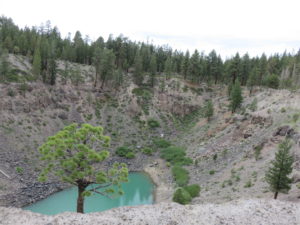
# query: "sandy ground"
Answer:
x=160 y=176
x=239 y=212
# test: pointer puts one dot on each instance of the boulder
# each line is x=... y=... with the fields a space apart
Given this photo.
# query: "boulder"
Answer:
x=284 y=131
x=262 y=120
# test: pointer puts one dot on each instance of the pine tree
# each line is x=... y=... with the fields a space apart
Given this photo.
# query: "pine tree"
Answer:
x=98 y=54
x=65 y=75
x=73 y=155
x=107 y=66
x=52 y=70
x=37 y=62
x=281 y=167
x=252 y=80
x=185 y=64
x=138 y=67
x=209 y=110
x=4 y=65
x=168 y=68
x=76 y=77
x=236 y=97
x=153 y=69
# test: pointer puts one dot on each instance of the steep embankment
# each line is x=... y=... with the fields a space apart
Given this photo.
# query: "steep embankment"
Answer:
x=235 y=212
x=33 y=111
x=233 y=152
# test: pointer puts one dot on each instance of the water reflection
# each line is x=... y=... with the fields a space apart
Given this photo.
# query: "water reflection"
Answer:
x=138 y=191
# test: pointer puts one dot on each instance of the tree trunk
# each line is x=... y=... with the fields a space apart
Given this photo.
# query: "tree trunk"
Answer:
x=80 y=199
x=275 y=195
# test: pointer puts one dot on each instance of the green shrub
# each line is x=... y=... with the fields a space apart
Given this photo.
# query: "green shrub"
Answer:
x=193 y=190
x=211 y=172
x=144 y=93
x=19 y=170
x=152 y=123
x=215 y=157
x=147 y=151
x=181 y=176
x=181 y=196
x=11 y=93
x=175 y=155
x=161 y=143
x=123 y=151
x=283 y=110
x=248 y=184
x=295 y=117
x=253 y=105
x=130 y=155
x=257 y=151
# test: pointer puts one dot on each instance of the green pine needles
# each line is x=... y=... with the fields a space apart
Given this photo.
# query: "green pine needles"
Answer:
x=73 y=155
x=236 y=97
x=281 y=167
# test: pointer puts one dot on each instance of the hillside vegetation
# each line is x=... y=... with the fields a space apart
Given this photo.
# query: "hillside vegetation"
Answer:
x=198 y=123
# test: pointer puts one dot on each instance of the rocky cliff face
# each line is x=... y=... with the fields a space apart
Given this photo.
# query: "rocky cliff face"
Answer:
x=240 y=212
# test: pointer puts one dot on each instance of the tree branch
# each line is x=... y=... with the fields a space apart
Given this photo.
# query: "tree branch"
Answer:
x=101 y=186
x=101 y=193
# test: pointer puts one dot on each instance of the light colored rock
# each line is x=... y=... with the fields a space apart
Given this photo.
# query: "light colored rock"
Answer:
x=253 y=211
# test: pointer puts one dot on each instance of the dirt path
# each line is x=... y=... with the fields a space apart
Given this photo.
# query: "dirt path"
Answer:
x=160 y=175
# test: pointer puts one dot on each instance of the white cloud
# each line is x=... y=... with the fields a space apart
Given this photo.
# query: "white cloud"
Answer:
x=227 y=26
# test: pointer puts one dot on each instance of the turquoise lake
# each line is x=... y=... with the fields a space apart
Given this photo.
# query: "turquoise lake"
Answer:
x=138 y=191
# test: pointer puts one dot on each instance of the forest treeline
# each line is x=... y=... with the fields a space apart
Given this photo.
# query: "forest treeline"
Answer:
x=117 y=55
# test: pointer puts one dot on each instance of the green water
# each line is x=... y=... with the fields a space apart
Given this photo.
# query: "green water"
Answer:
x=138 y=191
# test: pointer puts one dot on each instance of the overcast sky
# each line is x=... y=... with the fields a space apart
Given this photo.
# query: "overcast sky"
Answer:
x=228 y=26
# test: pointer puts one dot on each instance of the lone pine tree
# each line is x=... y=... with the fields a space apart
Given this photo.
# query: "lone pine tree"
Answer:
x=209 y=110
x=281 y=167
x=73 y=155
x=235 y=97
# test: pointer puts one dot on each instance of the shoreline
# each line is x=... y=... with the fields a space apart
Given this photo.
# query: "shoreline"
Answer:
x=159 y=175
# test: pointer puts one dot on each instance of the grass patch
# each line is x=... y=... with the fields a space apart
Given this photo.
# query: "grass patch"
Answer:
x=152 y=123
x=193 y=190
x=161 y=143
x=181 y=176
x=176 y=156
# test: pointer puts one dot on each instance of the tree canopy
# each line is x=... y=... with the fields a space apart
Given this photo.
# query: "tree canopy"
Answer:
x=281 y=167
x=73 y=155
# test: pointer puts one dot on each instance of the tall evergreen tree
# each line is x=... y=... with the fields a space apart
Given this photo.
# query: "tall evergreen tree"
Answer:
x=37 y=62
x=236 y=97
x=213 y=69
x=65 y=75
x=245 y=69
x=52 y=70
x=251 y=82
x=52 y=66
x=195 y=66
x=138 y=69
x=107 y=66
x=209 y=110
x=186 y=65
x=4 y=65
x=98 y=54
x=153 y=69
x=168 y=68
x=281 y=167
x=235 y=67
